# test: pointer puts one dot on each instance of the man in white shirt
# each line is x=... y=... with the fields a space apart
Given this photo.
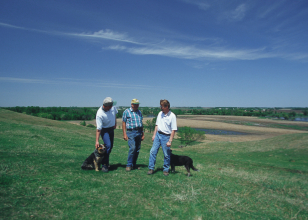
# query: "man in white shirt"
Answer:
x=163 y=135
x=106 y=122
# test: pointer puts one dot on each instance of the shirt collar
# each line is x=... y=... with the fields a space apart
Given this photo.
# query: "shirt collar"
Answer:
x=105 y=110
x=166 y=114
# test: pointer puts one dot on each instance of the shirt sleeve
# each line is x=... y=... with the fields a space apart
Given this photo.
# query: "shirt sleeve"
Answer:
x=158 y=118
x=116 y=110
x=124 y=116
x=99 y=123
x=173 y=123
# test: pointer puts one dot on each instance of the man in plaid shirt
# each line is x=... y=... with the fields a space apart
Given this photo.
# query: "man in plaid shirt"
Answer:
x=133 y=133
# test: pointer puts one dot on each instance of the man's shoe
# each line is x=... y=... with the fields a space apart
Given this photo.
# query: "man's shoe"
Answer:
x=105 y=170
x=128 y=169
x=150 y=172
x=166 y=173
x=136 y=168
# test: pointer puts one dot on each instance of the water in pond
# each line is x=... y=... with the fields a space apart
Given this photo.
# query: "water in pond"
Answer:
x=301 y=119
x=220 y=132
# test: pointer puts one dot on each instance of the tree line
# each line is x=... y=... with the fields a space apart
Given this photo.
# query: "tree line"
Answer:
x=257 y=112
x=57 y=113
x=89 y=113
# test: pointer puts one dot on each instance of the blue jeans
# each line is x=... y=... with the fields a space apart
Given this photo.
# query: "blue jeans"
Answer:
x=107 y=135
x=160 y=140
x=134 y=144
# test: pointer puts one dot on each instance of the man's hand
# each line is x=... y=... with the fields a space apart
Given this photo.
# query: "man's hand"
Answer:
x=125 y=137
x=142 y=137
x=97 y=145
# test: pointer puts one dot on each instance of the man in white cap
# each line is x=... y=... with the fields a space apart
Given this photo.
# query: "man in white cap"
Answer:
x=106 y=122
x=133 y=133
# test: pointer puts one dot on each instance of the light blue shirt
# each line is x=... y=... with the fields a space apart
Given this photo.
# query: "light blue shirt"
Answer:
x=105 y=119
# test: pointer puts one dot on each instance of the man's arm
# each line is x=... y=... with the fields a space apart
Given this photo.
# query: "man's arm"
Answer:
x=171 y=138
x=155 y=131
x=124 y=130
x=115 y=124
x=98 y=133
x=142 y=137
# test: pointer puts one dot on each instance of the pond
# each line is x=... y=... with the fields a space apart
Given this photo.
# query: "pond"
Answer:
x=301 y=119
x=220 y=132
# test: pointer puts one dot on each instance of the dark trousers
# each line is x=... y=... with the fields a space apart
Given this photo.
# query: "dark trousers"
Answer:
x=107 y=135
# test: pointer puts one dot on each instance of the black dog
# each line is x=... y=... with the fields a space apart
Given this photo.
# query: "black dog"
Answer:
x=177 y=160
x=94 y=161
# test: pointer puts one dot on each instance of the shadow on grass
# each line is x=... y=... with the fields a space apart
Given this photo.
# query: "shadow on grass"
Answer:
x=116 y=166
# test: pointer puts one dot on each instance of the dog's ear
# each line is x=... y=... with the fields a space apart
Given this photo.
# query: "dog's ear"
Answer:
x=103 y=146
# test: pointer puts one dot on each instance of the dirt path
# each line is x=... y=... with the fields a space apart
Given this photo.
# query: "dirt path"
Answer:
x=259 y=130
x=256 y=132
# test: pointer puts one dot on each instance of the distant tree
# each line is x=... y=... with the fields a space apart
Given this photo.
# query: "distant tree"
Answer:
x=120 y=113
x=177 y=112
x=65 y=116
x=150 y=125
x=156 y=111
x=188 y=135
x=292 y=114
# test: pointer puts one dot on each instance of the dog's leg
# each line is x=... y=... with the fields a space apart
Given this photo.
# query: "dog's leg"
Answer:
x=96 y=165
x=188 y=169
x=172 y=168
x=99 y=161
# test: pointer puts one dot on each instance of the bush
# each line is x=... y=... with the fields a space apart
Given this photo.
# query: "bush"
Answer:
x=91 y=126
x=150 y=125
x=188 y=135
x=83 y=123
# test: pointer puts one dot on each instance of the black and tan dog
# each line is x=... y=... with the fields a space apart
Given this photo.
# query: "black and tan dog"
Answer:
x=177 y=160
x=94 y=161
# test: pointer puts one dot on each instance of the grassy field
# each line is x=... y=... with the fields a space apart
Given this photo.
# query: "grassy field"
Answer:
x=41 y=177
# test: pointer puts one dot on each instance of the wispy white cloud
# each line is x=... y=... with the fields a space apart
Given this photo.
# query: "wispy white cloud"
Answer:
x=71 y=81
x=107 y=35
x=22 y=80
x=11 y=26
x=199 y=3
x=239 y=12
x=188 y=50
x=191 y=52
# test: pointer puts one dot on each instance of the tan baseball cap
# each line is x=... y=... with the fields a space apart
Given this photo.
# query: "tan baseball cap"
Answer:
x=135 y=101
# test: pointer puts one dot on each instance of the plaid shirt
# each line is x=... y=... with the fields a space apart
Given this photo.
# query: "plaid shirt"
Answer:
x=132 y=119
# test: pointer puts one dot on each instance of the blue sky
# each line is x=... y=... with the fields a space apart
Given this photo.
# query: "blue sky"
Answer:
x=192 y=52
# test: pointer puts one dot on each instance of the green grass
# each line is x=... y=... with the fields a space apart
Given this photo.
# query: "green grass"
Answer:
x=41 y=177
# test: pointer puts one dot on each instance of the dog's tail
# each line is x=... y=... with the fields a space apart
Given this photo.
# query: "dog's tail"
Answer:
x=194 y=168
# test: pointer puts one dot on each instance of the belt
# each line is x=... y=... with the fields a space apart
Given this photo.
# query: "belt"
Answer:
x=164 y=133
x=107 y=128
x=131 y=129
